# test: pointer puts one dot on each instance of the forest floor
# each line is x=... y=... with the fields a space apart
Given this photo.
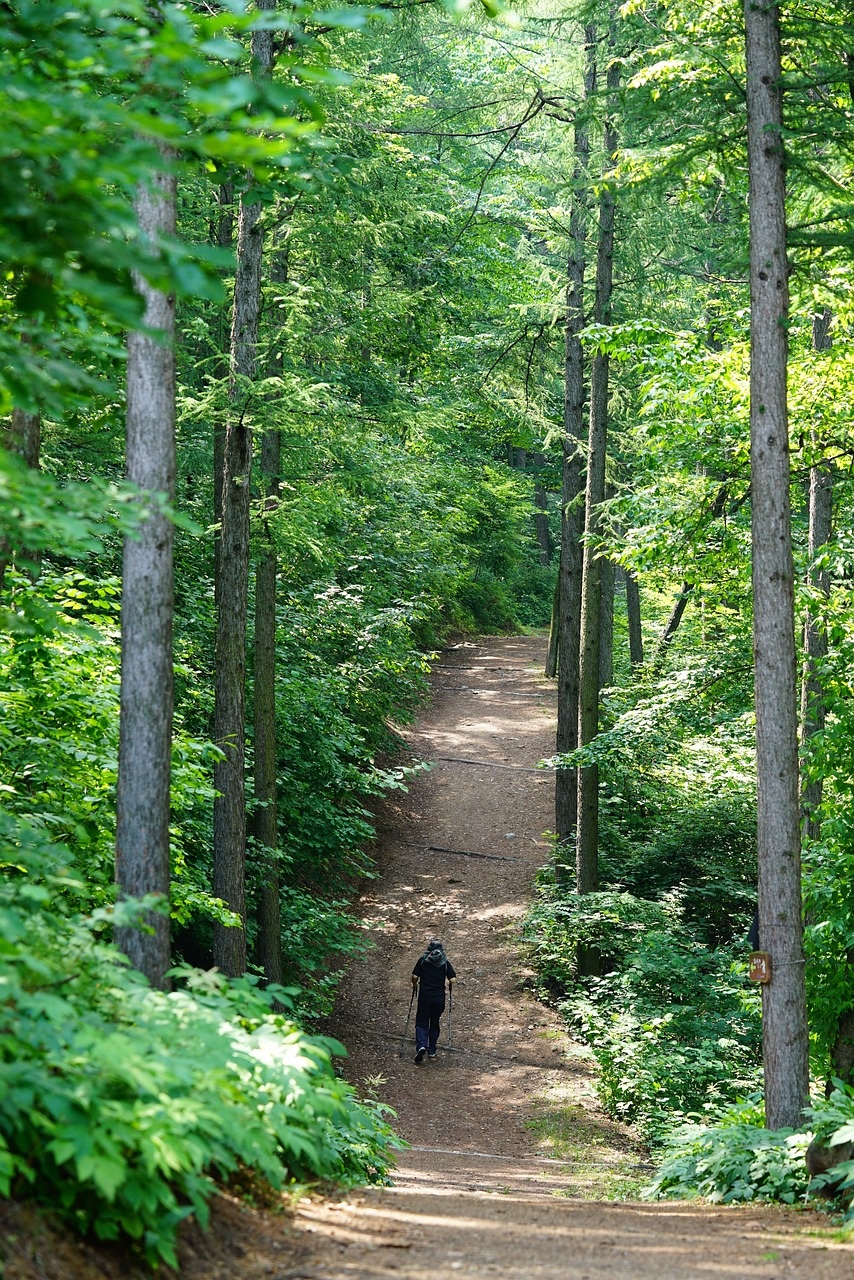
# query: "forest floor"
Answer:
x=512 y=1172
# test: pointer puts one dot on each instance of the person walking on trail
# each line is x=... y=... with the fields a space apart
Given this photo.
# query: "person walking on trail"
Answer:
x=431 y=972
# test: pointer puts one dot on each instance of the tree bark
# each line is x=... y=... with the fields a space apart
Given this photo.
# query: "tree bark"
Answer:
x=587 y=846
x=545 y=541
x=572 y=485
x=606 y=624
x=541 y=522
x=229 y=854
x=23 y=437
x=551 y=656
x=224 y=235
x=633 y=614
x=784 y=1038
x=815 y=636
x=266 y=824
x=842 y=1050
x=145 y=729
x=269 y=946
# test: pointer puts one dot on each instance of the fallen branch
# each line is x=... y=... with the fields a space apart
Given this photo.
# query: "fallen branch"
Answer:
x=466 y=853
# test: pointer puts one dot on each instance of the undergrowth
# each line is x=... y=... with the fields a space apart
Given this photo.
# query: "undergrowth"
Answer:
x=122 y=1107
x=673 y=1025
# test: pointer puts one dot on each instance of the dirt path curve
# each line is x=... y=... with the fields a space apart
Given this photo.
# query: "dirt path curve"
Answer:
x=477 y=1192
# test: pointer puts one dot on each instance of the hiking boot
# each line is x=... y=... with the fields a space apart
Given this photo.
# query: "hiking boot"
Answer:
x=432 y=1055
x=419 y=1057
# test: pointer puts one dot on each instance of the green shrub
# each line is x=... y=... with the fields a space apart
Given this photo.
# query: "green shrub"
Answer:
x=702 y=846
x=735 y=1159
x=59 y=731
x=674 y=1026
x=832 y=1123
x=556 y=927
x=121 y=1105
x=315 y=935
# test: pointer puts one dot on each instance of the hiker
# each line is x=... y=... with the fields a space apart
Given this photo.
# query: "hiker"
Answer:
x=428 y=979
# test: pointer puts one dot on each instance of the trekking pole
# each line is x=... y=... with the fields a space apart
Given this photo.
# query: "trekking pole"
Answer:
x=450 y=1011
x=406 y=1024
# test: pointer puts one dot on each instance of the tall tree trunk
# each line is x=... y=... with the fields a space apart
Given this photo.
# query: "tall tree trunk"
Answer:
x=633 y=615
x=606 y=624
x=224 y=236
x=541 y=524
x=587 y=847
x=784 y=1029
x=229 y=854
x=545 y=542
x=24 y=437
x=551 y=656
x=145 y=727
x=815 y=635
x=266 y=823
x=568 y=587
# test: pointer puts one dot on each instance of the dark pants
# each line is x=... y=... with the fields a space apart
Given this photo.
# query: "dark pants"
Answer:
x=427 y=1016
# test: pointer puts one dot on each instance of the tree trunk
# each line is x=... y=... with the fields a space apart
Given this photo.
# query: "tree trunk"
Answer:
x=587 y=847
x=541 y=523
x=145 y=727
x=545 y=542
x=633 y=614
x=842 y=1050
x=784 y=1035
x=551 y=656
x=229 y=855
x=224 y=235
x=266 y=823
x=606 y=625
x=572 y=486
x=815 y=636
x=23 y=437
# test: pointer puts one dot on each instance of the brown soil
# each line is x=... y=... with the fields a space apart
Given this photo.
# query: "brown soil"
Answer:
x=511 y=1163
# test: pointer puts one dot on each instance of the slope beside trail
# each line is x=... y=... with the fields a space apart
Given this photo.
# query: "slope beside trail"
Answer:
x=479 y=1191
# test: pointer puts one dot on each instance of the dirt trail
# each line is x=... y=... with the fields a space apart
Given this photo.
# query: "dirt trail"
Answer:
x=478 y=1192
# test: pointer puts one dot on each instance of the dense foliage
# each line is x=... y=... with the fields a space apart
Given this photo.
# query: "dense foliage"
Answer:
x=415 y=180
x=409 y=461
x=122 y=1107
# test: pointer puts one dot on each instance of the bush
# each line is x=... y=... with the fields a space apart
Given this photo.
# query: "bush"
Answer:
x=121 y=1105
x=734 y=1160
x=315 y=934
x=557 y=927
x=832 y=1123
x=703 y=847
x=673 y=1026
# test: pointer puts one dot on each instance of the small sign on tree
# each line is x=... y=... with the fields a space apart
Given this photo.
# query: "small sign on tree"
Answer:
x=760 y=966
